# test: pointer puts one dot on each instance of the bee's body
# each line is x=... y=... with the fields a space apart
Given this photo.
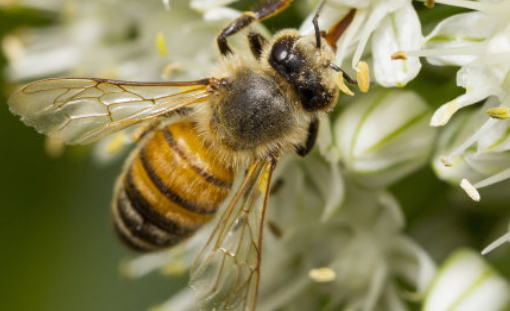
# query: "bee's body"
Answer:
x=182 y=172
x=253 y=108
x=172 y=185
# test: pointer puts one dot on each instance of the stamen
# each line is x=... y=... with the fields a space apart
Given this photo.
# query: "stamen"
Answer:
x=429 y=4
x=471 y=140
x=166 y=3
x=170 y=69
x=498 y=113
x=13 y=48
x=373 y=21
x=322 y=275
x=399 y=55
x=474 y=50
x=500 y=241
x=503 y=175
x=116 y=143
x=473 y=5
x=161 y=44
x=54 y=147
x=470 y=190
x=443 y=114
x=340 y=82
x=347 y=39
x=363 y=76
x=446 y=161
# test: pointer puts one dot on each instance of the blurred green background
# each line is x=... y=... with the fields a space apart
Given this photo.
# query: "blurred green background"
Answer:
x=59 y=251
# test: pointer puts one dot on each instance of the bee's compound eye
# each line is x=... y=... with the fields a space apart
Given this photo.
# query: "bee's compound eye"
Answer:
x=280 y=50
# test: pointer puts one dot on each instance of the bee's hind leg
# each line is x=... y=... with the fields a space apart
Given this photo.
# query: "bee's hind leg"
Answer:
x=313 y=130
x=263 y=11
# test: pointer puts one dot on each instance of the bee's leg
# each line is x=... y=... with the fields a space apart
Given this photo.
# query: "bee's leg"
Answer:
x=263 y=11
x=313 y=130
x=257 y=43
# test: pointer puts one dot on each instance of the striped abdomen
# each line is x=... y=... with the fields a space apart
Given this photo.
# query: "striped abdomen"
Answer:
x=173 y=185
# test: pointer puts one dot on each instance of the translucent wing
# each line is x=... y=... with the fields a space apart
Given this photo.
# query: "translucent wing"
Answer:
x=80 y=111
x=226 y=273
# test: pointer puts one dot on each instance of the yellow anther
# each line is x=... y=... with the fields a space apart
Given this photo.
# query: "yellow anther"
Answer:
x=13 y=48
x=177 y=267
x=399 y=55
x=54 y=147
x=363 y=75
x=446 y=162
x=340 y=82
x=498 y=113
x=429 y=4
x=160 y=43
x=470 y=190
x=116 y=143
x=170 y=69
x=322 y=275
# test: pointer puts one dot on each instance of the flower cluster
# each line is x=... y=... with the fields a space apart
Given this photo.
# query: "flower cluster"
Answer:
x=337 y=235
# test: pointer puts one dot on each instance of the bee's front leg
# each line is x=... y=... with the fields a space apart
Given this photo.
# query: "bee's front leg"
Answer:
x=263 y=11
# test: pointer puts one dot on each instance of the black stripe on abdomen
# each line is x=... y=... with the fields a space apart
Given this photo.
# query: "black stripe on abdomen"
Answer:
x=148 y=212
x=136 y=231
x=168 y=193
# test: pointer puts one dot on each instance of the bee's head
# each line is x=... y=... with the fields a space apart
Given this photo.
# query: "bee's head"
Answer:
x=304 y=62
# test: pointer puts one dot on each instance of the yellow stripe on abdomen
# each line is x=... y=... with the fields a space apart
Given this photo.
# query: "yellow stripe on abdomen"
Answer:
x=173 y=185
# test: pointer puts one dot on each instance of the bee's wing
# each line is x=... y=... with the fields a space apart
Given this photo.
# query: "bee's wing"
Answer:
x=226 y=273
x=80 y=111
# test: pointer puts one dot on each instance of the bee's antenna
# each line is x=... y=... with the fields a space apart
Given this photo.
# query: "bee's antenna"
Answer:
x=315 y=22
x=344 y=74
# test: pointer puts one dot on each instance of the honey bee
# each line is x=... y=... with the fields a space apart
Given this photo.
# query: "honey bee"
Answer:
x=198 y=136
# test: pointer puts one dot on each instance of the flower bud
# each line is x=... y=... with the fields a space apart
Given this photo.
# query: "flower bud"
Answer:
x=384 y=136
x=466 y=282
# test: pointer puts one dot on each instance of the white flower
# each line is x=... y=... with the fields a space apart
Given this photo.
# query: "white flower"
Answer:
x=393 y=25
x=351 y=258
x=116 y=39
x=383 y=136
x=479 y=42
x=474 y=152
x=466 y=282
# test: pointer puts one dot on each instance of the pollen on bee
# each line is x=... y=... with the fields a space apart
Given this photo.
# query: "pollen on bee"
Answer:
x=161 y=43
x=322 y=275
x=363 y=76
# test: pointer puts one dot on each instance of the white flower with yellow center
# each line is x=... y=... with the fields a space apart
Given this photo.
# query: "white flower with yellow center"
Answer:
x=479 y=42
x=351 y=258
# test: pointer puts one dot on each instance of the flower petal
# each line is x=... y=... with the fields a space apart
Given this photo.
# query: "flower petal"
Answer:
x=461 y=30
x=466 y=282
x=399 y=31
